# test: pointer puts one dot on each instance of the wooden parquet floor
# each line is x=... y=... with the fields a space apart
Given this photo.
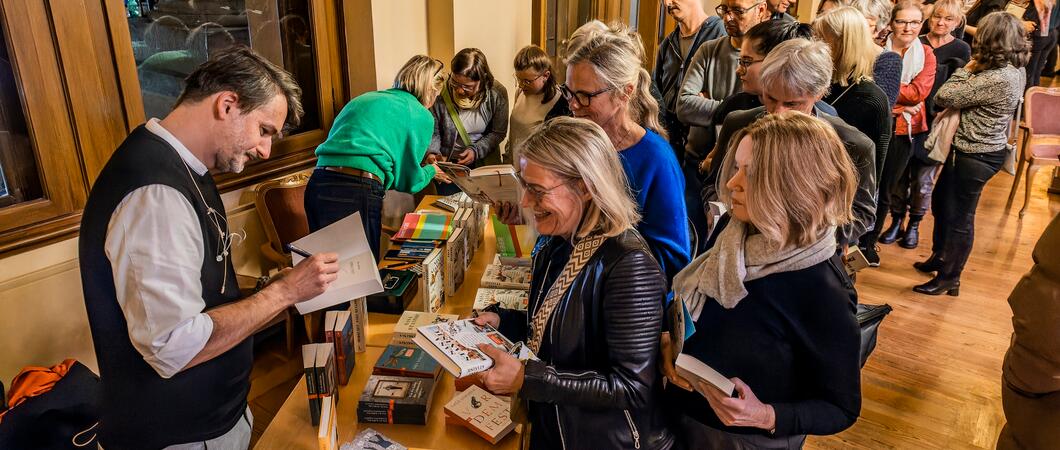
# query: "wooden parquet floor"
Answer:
x=934 y=379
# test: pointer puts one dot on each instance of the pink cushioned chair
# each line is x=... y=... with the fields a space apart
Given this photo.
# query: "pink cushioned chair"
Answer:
x=1041 y=144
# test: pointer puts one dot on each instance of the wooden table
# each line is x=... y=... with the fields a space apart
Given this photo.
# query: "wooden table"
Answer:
x=291 y=428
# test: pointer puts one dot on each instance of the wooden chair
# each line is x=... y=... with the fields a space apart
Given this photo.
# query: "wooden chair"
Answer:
x=1040 y=145
x=280 y=205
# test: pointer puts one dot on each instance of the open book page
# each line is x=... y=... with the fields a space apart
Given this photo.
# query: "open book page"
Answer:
x=487 y=184
x=358 y=276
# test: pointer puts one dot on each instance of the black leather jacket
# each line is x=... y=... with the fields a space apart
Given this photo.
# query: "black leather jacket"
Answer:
x=597 y=386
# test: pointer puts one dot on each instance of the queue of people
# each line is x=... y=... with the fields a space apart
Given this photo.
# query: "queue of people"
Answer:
x=794 y=128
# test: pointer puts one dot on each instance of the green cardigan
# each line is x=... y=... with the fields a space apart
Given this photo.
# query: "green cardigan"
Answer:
x=385 y=133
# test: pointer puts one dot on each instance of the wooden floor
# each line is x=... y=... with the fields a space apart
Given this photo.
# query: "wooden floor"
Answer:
x=933 y=381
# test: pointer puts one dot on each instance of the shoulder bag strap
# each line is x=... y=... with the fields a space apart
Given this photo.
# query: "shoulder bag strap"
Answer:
x=456 y=118
x=583 y=251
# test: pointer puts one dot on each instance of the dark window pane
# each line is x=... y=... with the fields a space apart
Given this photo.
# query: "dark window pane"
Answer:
x=172 y=37
x=19 y=178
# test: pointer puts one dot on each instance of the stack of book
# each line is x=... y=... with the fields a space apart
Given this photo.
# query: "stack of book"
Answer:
x=328 y=430
x=318 y=361
x=452 y=202
x=483 y=413
x=424 y=259
x=405 y=328
x=424 y=226
x=338 y=330
x=455 y=261
x=395 y=399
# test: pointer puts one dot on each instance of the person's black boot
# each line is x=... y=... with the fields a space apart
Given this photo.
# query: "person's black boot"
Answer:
x=912 y=233
x=871 y=255
x=939 y=286
x=891 y=233
x=933 y=264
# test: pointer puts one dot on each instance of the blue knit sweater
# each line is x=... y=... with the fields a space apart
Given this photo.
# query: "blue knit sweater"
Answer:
x=658 y=187
x=887 y=73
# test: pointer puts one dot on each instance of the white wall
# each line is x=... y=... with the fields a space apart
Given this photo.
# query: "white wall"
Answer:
x=498 y=28
x=400 y=31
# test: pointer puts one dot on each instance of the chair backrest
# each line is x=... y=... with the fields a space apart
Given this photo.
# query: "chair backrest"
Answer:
x=280 y=204
x=1042 y=110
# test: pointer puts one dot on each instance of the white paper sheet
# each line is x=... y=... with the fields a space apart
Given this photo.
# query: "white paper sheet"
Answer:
x=358 y=276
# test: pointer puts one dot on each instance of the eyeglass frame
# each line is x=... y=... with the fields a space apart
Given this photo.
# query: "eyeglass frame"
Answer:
x=522 y=82
x=453 y=84
x=736 y=12
x=537 y=193
x=748 y=62
x=907 y=23
x=569 y=94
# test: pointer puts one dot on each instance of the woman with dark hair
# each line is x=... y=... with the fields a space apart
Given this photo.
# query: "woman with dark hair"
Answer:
x=1035 y=20
x=987 y=91
x=538 y=98
x=470 y=115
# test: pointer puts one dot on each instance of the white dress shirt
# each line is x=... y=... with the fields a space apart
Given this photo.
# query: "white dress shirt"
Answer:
x=154 y=244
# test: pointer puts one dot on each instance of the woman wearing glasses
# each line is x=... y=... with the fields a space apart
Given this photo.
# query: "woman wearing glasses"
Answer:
x=596 y=297
x=377 y=142
x=607 y=85
x=537 y=100
x=910 y=117
x=470 y=115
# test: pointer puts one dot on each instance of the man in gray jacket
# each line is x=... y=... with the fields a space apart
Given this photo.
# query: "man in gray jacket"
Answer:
x=711 y=75
x=694 y=28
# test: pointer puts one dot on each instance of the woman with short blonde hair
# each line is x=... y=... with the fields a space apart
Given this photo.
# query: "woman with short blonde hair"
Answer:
x=422 y=77
x=596 y=302
x=772 y=309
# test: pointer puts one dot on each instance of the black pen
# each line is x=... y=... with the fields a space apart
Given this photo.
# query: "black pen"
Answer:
x=299 y=251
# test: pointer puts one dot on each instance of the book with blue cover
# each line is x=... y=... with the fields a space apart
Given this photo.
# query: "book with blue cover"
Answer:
x=406 y=361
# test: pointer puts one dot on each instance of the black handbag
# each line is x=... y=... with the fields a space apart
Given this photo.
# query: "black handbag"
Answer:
x=65 y=417
x=869 y=319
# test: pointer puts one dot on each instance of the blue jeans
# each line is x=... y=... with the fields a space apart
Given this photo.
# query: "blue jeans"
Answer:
x=332 y=196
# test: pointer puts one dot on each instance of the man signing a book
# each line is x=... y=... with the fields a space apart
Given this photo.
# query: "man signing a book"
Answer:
x=167 y=321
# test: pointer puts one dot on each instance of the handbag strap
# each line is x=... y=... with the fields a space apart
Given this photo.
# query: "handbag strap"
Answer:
x=456 y=120
x=583 y=251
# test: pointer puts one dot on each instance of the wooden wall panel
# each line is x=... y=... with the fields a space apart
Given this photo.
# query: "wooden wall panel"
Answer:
x=90 y=81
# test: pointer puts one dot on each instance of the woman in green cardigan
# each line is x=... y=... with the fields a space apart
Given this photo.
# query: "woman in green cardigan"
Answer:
x=377 y=143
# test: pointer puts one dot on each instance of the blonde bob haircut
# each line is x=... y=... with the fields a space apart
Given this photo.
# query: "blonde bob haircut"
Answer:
x=422 y=77
x=578 y=149
x=854 y=53
x=616 y=54
x=788 y=209
x=945 y=8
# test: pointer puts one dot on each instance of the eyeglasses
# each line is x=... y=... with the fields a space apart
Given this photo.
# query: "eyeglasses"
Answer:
x=525 y=82
x=535 y=191
x=464 y=87
x=907 y=23
x=748 y=61
x=583 y=98
x=737 y=12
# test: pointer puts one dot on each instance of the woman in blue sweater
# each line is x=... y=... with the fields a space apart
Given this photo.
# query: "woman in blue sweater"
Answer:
x=607 y=85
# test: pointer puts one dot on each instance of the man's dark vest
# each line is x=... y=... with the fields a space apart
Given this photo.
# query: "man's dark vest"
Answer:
x=138 y=408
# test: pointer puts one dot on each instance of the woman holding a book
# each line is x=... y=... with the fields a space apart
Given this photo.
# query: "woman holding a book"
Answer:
x=470 y=115
x=596 y=302
x=377 y=143
x=772 y=308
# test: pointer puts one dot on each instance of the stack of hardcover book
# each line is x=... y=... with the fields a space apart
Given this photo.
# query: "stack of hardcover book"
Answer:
x=318 y=361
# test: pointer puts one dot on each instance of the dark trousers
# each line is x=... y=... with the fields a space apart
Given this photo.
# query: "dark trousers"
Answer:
x=695 y=435
x=893 y=166
x=697 y=207
x=956 y=196
x=332 y=196
x=1040 y=46
x=1050 y=54
x=912 y=191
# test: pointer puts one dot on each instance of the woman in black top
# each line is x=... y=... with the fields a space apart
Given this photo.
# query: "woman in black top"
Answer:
x=1035 y=21
x=772 y=308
